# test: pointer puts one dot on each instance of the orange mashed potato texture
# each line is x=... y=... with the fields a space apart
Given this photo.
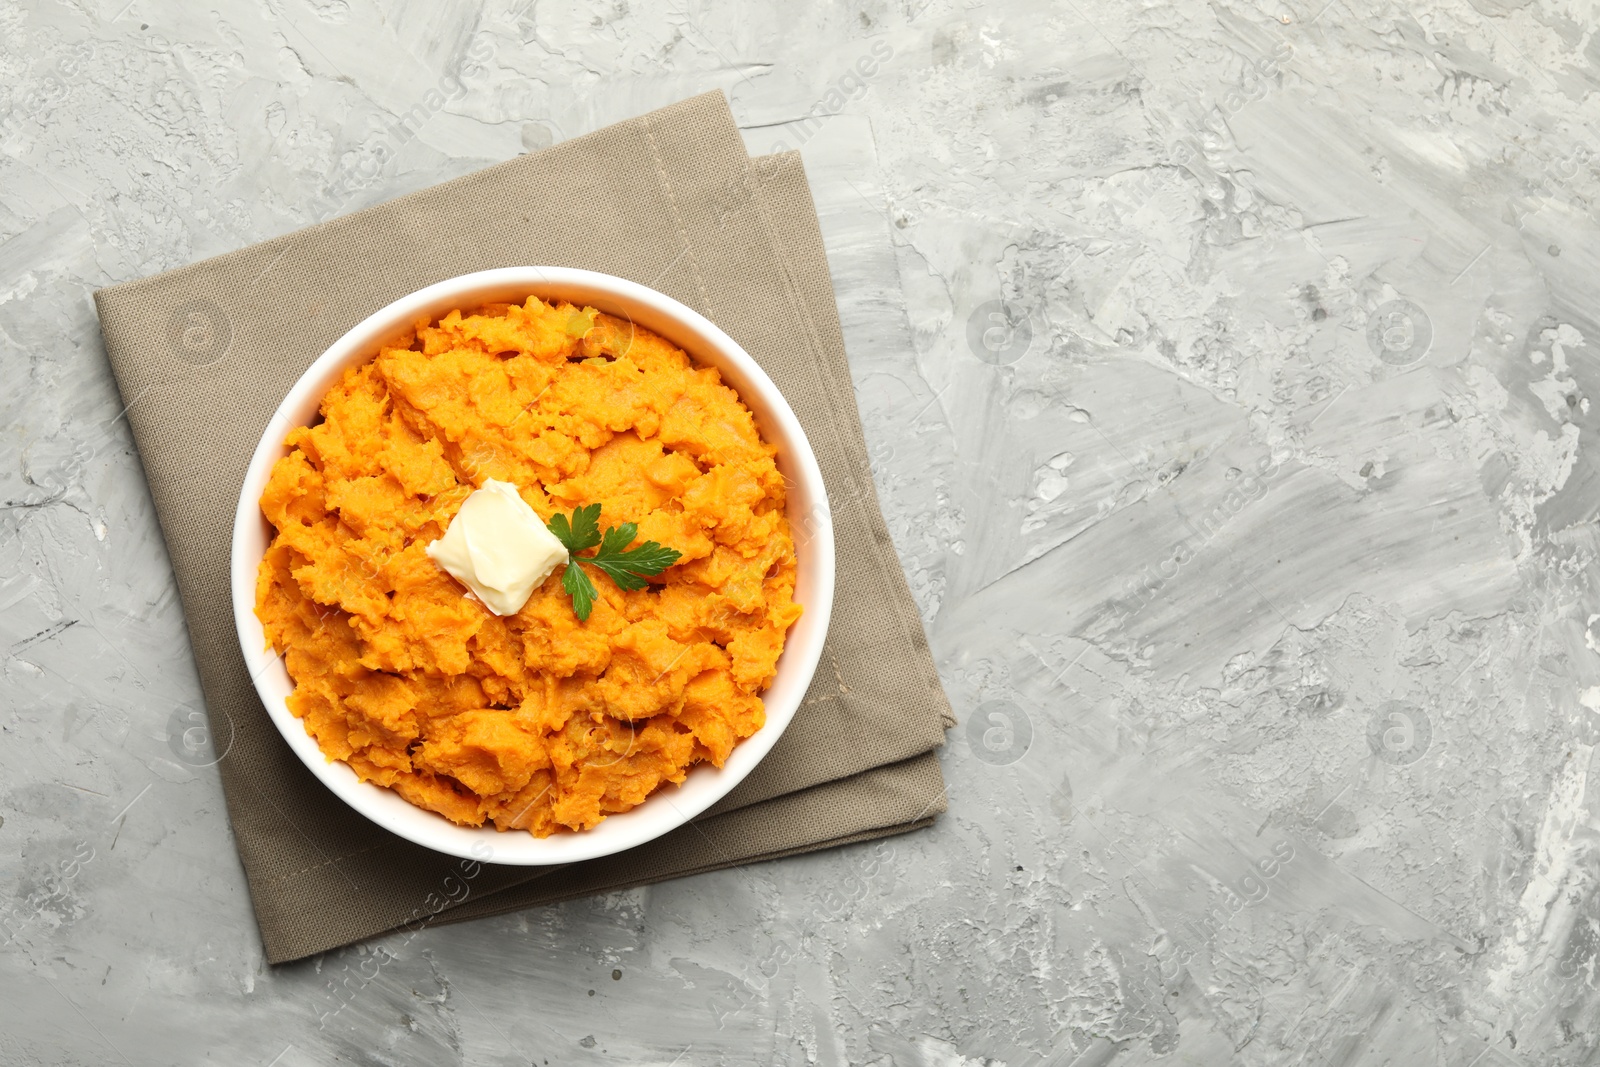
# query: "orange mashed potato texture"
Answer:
x=533 y=721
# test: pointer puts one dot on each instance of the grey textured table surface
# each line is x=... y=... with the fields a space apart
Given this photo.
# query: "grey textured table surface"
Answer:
x=1226 y=370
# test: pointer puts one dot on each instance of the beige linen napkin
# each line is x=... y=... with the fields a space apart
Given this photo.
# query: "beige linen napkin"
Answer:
x=203 y=355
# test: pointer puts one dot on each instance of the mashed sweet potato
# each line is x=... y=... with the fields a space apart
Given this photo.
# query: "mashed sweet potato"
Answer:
x=533 y=721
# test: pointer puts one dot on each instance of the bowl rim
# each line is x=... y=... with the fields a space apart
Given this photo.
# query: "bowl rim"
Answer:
x=669 y=807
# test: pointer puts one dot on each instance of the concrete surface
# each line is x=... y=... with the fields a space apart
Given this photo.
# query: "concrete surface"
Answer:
x=1227 y=371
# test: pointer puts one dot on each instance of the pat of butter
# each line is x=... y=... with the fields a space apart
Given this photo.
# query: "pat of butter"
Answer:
x=498 y=547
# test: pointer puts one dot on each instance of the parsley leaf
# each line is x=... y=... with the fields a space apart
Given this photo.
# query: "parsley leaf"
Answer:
x=581 y=533
x=580 y=589
x=628 y=568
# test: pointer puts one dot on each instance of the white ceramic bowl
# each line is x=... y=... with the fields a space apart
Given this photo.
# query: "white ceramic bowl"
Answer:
x=670 y=807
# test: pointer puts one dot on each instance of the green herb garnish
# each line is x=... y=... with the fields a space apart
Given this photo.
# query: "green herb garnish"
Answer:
x=627 y=567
